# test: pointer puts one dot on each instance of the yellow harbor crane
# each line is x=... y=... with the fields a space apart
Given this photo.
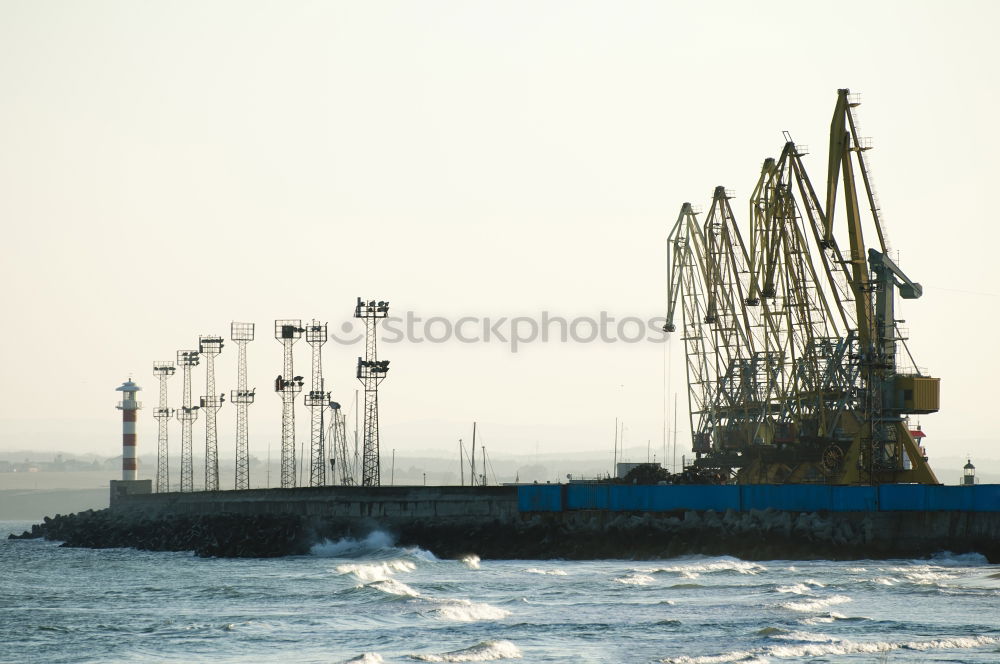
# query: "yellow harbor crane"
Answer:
x=792 y=347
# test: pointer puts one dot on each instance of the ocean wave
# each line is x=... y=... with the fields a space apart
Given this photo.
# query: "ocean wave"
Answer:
x=463 y=610
x=884 y=580
x=742 y=656
x=928 y=578
x=375 y=544
x=725 y=565
x=481 y=652
x=797 y=589
x=822 y=645
x=550 y=572
x=768 y=631
x=949 y=559
x=817 y=604
x=376 y=571
x=376 y=540
x=830 y=617
x=365 y=658
x=393 y=587
x=471 y=561
x=635 y=579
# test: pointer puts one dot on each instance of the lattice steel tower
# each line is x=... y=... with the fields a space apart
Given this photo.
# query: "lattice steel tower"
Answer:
x=340 y=457
x=317 y=400
x=371 y=372
x=288 y=385
x=211 y=403
x=163 y=371
x=242 y=396
x=187 y=414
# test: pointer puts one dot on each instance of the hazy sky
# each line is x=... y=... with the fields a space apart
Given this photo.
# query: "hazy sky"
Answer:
x=168 y=167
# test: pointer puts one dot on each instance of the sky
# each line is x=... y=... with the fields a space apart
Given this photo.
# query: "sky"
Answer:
x=169 y=167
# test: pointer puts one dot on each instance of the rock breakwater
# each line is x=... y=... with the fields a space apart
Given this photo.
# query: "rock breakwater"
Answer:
x=753 y=535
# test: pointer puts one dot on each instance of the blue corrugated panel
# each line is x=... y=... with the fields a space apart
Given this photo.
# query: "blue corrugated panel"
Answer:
x=540 y=498
x=950 y=498
x=587 y=496
x=677 y=497
x=787 y=497
x=902 y=497
x=985 y=497
x=636 y=498
x=852 y=499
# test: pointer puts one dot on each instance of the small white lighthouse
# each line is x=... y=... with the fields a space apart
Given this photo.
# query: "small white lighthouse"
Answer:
x=129 y=408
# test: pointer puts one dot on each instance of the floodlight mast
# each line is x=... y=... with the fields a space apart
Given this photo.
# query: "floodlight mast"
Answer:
x=340 y=457
x=163 y=371
x=288 y=386
x=371 y=372
x=242 y=396
x=209 y=347
x=187 y=414
x=317 y=400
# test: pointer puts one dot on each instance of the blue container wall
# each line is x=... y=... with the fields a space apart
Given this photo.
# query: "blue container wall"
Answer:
x=784 y=497
x=540 y=498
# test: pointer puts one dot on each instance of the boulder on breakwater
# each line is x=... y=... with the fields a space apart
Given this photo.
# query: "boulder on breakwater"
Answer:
x=754 y=535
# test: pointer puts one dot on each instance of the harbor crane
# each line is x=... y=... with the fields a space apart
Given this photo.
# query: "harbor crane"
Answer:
x=791 y=344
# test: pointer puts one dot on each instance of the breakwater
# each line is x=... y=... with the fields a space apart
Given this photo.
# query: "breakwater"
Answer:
x=554 y=521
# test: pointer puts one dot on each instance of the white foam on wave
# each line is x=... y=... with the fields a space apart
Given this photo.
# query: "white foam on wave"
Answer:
x=365 y=658
x=821 y=645
x=635 y=580
x=481 y=652
x=376 y=571
x=691 y=570
x=471 y=561
x=742 y=656
x=797 y=589
x=463 y=610
x=830 y=617
x=928 y=578
x=549 y=572
x=949 y=559
x=374 y=541
x=393 y=587
x=885 y=580
x=817 y=604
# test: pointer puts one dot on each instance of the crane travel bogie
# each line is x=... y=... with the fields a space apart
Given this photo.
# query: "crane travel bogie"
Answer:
x=795 y=364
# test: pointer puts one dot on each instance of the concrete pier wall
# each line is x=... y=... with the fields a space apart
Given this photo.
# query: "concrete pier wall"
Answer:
x=396 y=502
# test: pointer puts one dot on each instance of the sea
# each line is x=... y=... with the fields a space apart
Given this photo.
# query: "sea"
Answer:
x=371 y=601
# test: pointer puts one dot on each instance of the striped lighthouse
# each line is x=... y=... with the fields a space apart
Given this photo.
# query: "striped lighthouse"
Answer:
x=129 y=408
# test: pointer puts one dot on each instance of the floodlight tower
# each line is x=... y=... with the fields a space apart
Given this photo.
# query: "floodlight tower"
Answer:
x=187 y=414
x=288 y=385
x=371 y=372
x=211 y=403
x=317 y=400
x=242 y=396
x=163 y=371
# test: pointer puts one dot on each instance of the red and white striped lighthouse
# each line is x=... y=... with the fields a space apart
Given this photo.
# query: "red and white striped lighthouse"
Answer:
x=129 y=408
